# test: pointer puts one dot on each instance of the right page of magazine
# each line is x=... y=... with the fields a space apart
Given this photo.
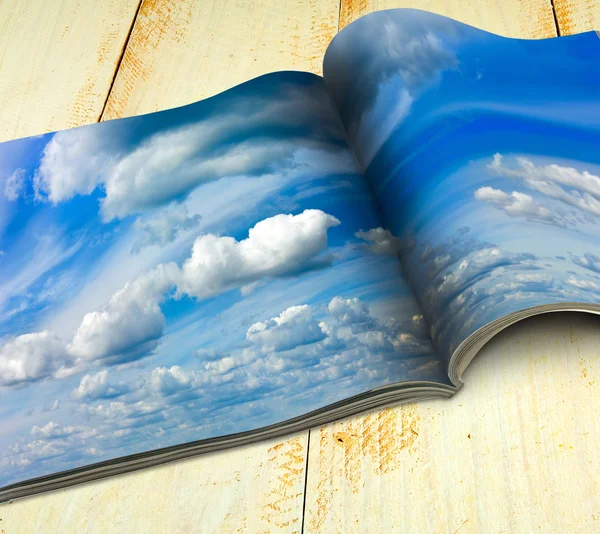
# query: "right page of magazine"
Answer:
x=484 y=154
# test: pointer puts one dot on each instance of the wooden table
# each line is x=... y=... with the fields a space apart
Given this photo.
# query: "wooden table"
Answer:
x=515 y=451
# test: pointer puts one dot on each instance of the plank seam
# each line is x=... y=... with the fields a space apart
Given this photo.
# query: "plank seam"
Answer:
x=305 y=489
x=120 y=60
x=555 y=18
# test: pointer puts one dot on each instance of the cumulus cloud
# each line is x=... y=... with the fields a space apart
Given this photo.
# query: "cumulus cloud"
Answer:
x=98 y=386
x=130 y=325
x=31 y=357
x=15 y=185
x=381 y=241
x=525 y=282
x=279 y=246
x=322 y=349
x=74 y=162
x=168 y=381
x=294 y=327
x=462 y=283
x=471 y=269
x=54 y=430
x=51 y=441
x=579 y=189
x=311 y=344
x=351 y=312
x=517 y=204
x=162 y=228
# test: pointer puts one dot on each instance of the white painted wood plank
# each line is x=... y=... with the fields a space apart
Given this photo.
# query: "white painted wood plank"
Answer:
x=183 y=51
x=516 y=450
x=512 y=18
x=577 y=16
x=255 y=489
x=57 y=62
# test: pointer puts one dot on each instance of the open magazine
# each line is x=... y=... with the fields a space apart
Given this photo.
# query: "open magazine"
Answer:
x=294 y=250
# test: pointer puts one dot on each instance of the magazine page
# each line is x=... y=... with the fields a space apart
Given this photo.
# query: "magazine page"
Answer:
x=190 y=274
x=483 y=154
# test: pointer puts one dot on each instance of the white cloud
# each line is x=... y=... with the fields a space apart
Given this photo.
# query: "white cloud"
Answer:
x=50 y=441
x=471 y=269
x=162 y=228
x=97 y=386
x=294 y=327
x=381 y=241
x=278 y=246
x=302 y=349
x=222 y=366
x=586 y=285
x=168 y=381
x=588 y=261
x=15 y=185
x=524 y=282
x=130 y=325
x=74 y=162
x=119 y=411
x=580 y=189
x=31 y=357
x=351 y=312
x=518 y=204
x=169 y=163
x=54 y=430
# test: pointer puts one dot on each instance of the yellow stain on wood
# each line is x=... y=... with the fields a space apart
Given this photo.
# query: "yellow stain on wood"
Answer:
x=158 y=21
x=324 y=486
x=350 y=10
x=379 y=442
x=577 y=16
x=285 y=483
x=378 y=438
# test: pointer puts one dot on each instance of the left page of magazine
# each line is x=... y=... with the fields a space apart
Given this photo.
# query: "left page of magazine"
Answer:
x=183 y=275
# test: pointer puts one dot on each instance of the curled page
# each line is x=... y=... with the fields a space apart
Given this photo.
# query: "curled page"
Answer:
x=483 y=153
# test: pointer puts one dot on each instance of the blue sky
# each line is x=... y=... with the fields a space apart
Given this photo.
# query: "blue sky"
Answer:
x=483 y=154
x=192 y=273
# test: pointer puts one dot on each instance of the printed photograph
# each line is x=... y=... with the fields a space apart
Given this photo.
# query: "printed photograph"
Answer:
x=483 y=154
x=189 y=274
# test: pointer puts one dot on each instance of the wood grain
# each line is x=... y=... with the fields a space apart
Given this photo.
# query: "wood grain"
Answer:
x=576 y=16
x=57 y=62
x=514 y=451
x=182 y=51
x=512 y=18
x=255 y=489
